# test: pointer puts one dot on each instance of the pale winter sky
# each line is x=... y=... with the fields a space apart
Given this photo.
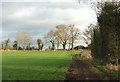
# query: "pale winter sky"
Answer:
x=37 y=17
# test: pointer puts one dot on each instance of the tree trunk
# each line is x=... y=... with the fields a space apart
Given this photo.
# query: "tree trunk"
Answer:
x=64 y=45
x=53 y=46
x=69 y=45
x=72 y=43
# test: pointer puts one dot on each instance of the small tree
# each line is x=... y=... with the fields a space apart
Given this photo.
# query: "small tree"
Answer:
x=15 y=45
x=40 y=44
x=5 y=44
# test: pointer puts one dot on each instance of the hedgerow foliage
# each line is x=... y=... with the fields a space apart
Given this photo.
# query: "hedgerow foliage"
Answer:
x=106 y=40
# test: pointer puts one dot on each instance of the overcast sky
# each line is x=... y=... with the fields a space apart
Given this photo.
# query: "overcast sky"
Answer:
x=37 y=18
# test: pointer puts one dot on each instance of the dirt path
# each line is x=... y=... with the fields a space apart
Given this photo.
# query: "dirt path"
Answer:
x=78 y=70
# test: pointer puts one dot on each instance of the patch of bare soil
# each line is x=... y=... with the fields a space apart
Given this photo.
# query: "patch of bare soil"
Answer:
x=78 y=70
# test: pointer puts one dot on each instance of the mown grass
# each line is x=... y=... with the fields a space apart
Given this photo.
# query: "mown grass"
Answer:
x=49 y=65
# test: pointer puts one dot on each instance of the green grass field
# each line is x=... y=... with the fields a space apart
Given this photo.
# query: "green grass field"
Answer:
x=49 y=65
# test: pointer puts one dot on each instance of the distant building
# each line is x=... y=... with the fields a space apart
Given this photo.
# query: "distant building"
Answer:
x=79 y=47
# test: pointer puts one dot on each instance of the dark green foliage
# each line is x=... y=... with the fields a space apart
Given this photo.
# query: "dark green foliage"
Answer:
x=107 y=40
x=96 y=44
x=15 y=45
x=40 y=44
x=20 y=48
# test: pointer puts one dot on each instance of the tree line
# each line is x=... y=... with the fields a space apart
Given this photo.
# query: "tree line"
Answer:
x=62 y=35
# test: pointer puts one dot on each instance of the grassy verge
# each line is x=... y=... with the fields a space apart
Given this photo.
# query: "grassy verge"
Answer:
x=100 y=69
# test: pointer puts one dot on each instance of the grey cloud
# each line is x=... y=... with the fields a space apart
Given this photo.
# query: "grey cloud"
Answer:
x=38 y=18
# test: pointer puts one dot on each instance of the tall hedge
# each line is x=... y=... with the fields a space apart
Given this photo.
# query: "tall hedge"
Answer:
x=96 y=44
x=106 y=41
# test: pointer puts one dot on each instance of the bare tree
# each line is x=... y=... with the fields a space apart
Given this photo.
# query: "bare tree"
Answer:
x=63 y=34
x=88 y=33
x=23 y=39
x=5 y=44
x=73 y=35
x=50 y=37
